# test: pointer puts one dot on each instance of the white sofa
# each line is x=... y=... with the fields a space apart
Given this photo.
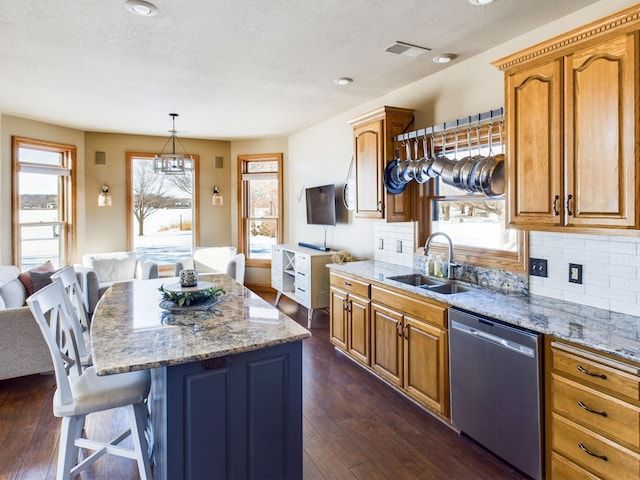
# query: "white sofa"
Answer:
x=115 y=267
x=23 y=351
x=214 y=260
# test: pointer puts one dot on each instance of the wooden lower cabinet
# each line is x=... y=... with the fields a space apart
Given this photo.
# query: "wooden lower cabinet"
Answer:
x=426 y=356
x=593 y=414
x=401 y=338
x=408 y=350
x=387 y=344
x=349 y=320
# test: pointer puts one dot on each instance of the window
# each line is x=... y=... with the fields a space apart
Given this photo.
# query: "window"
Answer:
x=43 y=202
x=260 y=195
x=476 y=223
x=162 y=213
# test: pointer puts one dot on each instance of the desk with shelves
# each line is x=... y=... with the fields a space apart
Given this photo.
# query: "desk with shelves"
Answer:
x=301 y=274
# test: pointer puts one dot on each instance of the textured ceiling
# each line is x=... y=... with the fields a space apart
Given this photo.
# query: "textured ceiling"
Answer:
x=233 y=68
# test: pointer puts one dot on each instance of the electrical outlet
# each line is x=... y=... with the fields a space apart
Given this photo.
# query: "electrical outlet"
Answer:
x=381 y=244
x=538 y=267
x=575 y=273
x=398 y=246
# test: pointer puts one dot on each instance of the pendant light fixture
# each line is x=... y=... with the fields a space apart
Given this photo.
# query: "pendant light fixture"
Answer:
x=173 y=163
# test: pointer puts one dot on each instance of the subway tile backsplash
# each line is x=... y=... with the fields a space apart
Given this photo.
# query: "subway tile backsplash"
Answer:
x=610 y=266
x=610 y=269
x=386 y=242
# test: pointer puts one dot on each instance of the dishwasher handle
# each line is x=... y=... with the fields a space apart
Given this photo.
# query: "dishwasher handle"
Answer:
x=508 y=344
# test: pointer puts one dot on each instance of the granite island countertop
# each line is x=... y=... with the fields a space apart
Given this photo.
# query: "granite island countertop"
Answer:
x=610 y=332
x=130 y=331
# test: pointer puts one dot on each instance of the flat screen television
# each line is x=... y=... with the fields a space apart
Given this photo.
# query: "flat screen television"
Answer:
x=321 y=205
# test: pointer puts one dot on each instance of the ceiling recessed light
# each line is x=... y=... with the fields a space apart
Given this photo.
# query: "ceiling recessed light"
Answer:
x=444 y=58
x=479 y=3
x=343 y=81
x=142 y=8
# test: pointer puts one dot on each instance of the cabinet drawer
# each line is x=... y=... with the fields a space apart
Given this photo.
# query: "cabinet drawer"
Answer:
x=303 y=296
x=350 y=285
x=303 y=263
x=302 y=279
x=620 y=464
x=622 y=420
x=619 y=377
x=563 y=469
x=419 y=309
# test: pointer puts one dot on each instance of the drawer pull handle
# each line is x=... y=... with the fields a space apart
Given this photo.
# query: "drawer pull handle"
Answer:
x=582 y=405
x=399 y=328
x=348 y=284
x=586 y=450
x=587 y=372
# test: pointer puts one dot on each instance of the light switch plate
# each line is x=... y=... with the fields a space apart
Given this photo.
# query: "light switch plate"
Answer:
x=398 y=246
x=381 y=244
x=538 y=267
x=575 y=273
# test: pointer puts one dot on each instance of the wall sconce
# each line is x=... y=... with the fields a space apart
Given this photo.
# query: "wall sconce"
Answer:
x=104 y=199
x=216 y=198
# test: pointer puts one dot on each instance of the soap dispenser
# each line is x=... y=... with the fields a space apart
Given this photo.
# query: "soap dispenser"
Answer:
x=437 y=267
x=428 y=268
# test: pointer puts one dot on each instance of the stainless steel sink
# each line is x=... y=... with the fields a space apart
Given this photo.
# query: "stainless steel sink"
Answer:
x=448 y=288
x=417 y=280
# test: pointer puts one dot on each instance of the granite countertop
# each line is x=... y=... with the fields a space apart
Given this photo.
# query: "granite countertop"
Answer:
x=130 y=331
x=609 y=332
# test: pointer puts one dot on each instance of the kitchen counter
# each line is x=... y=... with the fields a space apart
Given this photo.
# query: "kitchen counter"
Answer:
x=609 y=332
x=130 y=331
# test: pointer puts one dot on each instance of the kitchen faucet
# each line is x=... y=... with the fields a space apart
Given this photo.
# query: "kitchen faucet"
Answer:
x=450 y=262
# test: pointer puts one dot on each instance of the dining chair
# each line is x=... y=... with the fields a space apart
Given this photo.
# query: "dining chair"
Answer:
x=81 y=392
x=79 y=321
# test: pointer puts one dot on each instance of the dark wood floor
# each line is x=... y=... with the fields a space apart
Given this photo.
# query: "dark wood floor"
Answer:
x=355 y=426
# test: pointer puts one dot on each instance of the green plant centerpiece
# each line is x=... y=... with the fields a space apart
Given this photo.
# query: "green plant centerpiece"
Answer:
x=191 y=296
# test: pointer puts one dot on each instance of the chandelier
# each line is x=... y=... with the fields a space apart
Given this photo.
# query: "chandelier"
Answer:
x=173 y=163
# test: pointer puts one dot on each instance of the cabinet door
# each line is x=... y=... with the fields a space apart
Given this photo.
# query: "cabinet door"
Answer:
x=359 y=338
x=386 y=343
x=276 y=268
x=534 y=157
x=600 y=95
x=337 y=326
x=426 y=364
x=369 y=162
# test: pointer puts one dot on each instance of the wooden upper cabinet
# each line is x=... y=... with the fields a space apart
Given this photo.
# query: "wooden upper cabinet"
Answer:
x=600 y=94
x=572 y=129
x=373 y=149
x=534 y=145
x=369 y=164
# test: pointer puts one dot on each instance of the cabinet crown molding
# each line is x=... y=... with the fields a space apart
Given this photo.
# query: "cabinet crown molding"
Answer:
x=622 y=22
x=380 y=113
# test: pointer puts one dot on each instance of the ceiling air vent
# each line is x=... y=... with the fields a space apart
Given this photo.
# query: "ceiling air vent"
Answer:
x=406 y=49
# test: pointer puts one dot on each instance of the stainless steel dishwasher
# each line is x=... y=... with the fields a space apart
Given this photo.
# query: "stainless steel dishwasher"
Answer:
x=496 y=387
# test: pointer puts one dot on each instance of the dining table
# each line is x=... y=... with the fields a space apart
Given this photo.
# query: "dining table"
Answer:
x=226 y=390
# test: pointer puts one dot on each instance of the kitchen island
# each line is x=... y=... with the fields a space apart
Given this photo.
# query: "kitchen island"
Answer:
x=226 y=398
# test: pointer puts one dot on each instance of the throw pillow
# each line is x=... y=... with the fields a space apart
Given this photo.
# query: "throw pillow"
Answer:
x=40 y=279
x=25 y=277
